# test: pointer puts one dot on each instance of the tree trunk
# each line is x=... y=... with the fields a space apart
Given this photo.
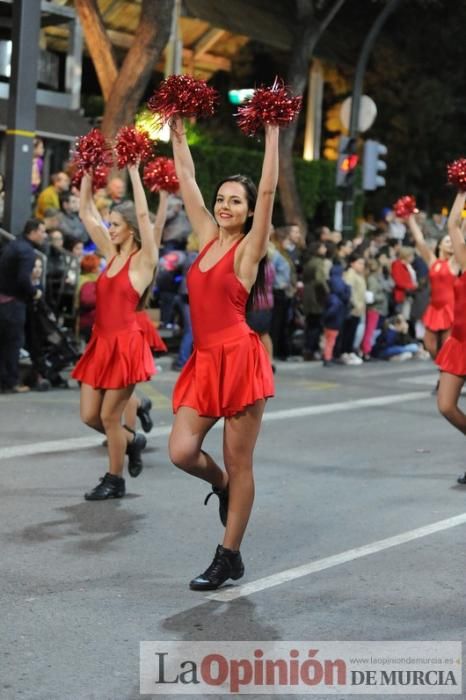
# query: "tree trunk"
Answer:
x=309 y=30
x=150 y=39
x=297 y=79
x=98 y=44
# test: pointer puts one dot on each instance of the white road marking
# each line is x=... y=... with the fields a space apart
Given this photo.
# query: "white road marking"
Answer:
x=80 y=443
x=427 y=379
x=312 y=567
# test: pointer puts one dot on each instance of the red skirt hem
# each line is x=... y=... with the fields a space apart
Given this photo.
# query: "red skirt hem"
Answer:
x=147 y=326
x=222 y=380
x=452 y=357
x=438 y=319
x=115 y=361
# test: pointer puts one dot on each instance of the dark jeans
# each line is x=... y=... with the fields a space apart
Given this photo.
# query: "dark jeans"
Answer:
x=167 y=303
x=186 y=344
x=12 y=320
x=280 y=324
x=312 y=333
x=345 y=340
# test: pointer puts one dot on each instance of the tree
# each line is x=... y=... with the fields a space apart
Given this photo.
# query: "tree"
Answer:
x=123 y=88
x=311 y=20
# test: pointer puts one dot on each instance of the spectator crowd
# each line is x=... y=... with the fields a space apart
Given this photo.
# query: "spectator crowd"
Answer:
x=339 y=301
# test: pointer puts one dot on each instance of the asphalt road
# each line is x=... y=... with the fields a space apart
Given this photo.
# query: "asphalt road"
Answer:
x=355 y=469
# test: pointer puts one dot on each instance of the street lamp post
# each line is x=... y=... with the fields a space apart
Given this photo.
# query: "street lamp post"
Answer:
x=21 y=117
x=348 y=203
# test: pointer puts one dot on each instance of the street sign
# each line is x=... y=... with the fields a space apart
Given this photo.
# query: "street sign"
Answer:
x=367 y=113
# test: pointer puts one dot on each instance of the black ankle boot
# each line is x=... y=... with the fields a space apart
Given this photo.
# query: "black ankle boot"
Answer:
x=134 y=452
x=143 y=413
x=110 y=486
x=226 y=564
x=223 y=502
x=462 y=479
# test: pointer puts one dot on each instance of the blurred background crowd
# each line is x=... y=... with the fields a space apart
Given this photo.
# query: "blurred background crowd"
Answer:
x=329 y=299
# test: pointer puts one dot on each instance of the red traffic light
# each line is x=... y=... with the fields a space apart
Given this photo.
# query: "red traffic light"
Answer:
x=349 y=163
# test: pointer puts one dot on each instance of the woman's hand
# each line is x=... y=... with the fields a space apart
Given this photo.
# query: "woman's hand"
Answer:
x=177 y=128
x=133 y=167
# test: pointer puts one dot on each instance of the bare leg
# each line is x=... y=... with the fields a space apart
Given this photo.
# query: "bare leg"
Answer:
x=90 y=407
x=447 y=400
x=113 y=406
x=432 y=342
x=239 y=439
x=129 y=415
x=184 y=446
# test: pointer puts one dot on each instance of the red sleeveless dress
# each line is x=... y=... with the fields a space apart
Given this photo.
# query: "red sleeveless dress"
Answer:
x=229 y=368
x=439 y=314
x=156 y=343
x=452 y=356
x=118 y=353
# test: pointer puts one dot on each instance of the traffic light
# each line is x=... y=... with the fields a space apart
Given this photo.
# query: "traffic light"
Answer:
x=373 y=165
x=237 y=97
x=347 y=162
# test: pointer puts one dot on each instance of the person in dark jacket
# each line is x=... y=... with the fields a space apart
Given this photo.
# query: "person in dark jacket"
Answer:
x=16 y=289
x=315 y=297
x=336 y=309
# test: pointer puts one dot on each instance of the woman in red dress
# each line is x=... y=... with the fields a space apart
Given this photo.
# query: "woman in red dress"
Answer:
x=452 y=357
x=229 y=374
x=117 y=356
x=443 y=271
x=141 y=407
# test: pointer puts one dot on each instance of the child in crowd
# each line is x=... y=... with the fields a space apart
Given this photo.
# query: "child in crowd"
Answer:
x=395 y=343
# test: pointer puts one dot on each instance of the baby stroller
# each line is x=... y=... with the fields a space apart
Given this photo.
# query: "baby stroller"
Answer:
x=52 y=347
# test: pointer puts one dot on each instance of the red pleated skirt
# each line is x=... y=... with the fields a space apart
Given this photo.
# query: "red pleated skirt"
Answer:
x=227 y=372
x=452 y=357
x=156 y=343
x=115 y=360
x=438 y=319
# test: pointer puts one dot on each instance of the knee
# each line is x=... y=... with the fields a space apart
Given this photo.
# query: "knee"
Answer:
x=180 y=455
x=109 y=420
x=91 y=419
x=238 y=466
x=445 y=406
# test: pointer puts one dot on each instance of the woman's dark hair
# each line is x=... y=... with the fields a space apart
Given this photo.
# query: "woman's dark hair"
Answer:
x=314 y=247
x=258 y=288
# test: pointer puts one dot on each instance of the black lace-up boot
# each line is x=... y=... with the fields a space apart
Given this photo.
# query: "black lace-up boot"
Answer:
x=134 y=452
x=226 y=564
x=143 y=413
x=110 y=486
x=222 y=504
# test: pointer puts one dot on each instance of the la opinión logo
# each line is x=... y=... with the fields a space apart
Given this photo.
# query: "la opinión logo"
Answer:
x=216 y=669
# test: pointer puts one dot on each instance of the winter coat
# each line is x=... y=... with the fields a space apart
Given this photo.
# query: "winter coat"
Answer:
x=338 y=300
x=316 y=287
x=403 y=279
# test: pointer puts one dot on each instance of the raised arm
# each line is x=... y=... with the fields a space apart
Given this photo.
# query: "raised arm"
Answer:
x=456 y=229
x=92 y=220
x=149 y=249
x=419 y=241
x=202 y=221
x=257 y=240
x=160 y=217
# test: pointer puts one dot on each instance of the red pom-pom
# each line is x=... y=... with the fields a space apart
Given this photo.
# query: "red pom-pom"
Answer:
x=99 y=177
x=160 y=174
x=269 y=105
x=183 y=95
x=404 y=207
x=457 y=173
x=132 y=146
x=92 y=151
